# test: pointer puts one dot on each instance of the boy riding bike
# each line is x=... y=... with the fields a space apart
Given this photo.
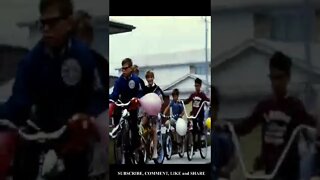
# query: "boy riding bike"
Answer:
x=128 y=86
x=151 y=88
x=197 y=99
x=176 y=108
x=54 y=83
x=279 y=114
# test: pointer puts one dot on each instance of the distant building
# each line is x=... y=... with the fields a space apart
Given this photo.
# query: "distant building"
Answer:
x=176 y=70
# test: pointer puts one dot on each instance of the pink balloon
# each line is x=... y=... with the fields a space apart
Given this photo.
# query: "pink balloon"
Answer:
x=151 y=104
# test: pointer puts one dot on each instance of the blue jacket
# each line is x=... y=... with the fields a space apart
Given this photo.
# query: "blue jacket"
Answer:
x=54 y=87
x=125 y=89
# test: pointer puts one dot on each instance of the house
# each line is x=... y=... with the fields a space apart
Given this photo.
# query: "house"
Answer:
x=246 y=34
x=176 y=70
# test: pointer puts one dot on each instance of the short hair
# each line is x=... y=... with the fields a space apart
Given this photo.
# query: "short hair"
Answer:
x=281 y=62
x=65 y=6
x=175 y=92
x=82 y=14
x=198 y=81
x=82 y=23
x=135 y=68
x=127 y=61
x=149 y=73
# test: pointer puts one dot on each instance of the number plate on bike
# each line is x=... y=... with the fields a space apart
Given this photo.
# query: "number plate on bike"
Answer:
x=163 y=130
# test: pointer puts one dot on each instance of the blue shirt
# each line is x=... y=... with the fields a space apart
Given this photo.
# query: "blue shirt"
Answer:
x=54 y=87
x=126 y=89
x=176 y=108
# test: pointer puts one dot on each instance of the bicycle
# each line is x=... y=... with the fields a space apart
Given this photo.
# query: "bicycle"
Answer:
x=171 y=144
x=50 y=164
x=252 y=175
x=147 y=142
x=123 y=144
x=201 y=144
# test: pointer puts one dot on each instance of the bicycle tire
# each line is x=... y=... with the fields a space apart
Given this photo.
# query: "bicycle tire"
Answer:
x=190 y=146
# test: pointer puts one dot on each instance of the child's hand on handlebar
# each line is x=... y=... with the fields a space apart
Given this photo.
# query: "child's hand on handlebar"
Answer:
x=112 y=106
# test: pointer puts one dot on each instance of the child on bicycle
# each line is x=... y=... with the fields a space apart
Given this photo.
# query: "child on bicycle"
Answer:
x=176 y=109
x=197 y=98
x=150 y=88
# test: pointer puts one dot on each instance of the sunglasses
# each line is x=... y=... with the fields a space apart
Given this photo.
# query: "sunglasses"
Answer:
x=51 y=22
x=125 y=68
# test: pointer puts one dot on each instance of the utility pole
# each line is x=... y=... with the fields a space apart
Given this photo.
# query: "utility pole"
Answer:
x=206 y=53
x=308 y=31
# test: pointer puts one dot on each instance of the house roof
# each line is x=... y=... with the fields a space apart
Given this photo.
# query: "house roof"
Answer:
x=193 y=76
x=170 y=59
x=294 y=50
x=99 y=21
x=117 y=27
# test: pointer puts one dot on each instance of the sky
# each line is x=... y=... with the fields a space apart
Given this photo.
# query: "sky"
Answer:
x=154 y=35
x=14 y=11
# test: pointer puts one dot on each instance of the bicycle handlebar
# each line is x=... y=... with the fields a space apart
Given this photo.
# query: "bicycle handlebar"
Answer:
x=8 y=124
x=42 y=135
x=121 y=104
x=167 y=117
x=193 y=117
x=37 y=136
x=280 y=160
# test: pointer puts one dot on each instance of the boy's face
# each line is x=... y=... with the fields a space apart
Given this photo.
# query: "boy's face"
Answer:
x=126 y=70
x=279 y=81
x=54 y=27
x=197 y=87
x=150 y=80
x=175 y=97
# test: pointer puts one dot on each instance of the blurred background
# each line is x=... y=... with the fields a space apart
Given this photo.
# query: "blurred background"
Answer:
x=244 y=36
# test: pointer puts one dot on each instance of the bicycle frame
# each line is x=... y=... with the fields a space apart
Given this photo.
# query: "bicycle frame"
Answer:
x=193 y=117
x=280 y=160
x=124 y=129
x=40 y=137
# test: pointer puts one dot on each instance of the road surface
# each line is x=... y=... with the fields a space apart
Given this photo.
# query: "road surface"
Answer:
x=175 y=159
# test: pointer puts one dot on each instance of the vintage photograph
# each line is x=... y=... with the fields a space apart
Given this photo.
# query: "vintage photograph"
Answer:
x=160 y=90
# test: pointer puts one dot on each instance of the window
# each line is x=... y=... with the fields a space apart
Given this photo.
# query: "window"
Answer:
x=281 y=25
x=262 y=25
x=287 y=27
x=200 y=69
